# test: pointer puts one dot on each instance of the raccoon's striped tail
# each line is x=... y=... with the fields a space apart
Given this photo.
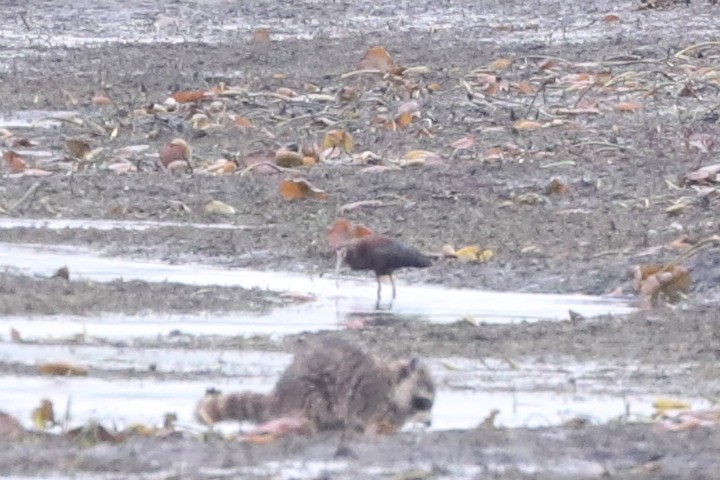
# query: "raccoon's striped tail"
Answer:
x=215 y=407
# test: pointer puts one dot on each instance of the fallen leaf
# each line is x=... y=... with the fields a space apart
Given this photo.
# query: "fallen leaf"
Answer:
x=216 y=207
x=464 y=143
x=297 y=188
x=420 y=157
x=500 y=64
x=377 y=58
x=611 y=17
x=176 y=151
x=655 y=281
x=287 y=158
x=627 y=107
x=468 y=254
x=101 y=100
x=528 y=125
x=400 y=121
x=703 y=175
x=261 y=35
x=286 y=92
x=555 y=187
x=44 y=415
x=241 y=122
x=337 y=139
x=525 y=88
x=14 y=162
x=62 y=369
x=189 y=96
x=665 y=403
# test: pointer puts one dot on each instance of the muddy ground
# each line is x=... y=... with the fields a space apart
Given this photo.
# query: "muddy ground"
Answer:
x=620 y=171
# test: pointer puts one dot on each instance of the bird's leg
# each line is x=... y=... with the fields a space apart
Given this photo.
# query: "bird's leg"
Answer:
x=377 y=304
x=340 y=256
x=392 y=282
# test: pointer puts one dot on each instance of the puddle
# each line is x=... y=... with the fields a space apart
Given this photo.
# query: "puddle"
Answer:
x=35 y=118
x=528 y=395
x=337 y=298
x=105 y=225
x=115 y=327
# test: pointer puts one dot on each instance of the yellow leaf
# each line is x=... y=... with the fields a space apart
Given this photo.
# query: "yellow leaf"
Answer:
x=216 y=207
x=338 y=139
x=44 y=415
x=665 y=403
x=486 y=255
x=468 y=254
x=450 y=367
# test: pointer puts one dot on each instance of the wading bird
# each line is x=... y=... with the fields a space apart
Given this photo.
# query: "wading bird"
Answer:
x=363 y=250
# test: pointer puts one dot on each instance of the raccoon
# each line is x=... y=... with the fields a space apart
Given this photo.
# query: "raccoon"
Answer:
x=332 y=384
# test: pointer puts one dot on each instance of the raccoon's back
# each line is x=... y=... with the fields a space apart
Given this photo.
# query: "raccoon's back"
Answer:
x=334 y=384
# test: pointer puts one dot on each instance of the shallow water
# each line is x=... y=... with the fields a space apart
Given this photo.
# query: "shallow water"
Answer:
x=527 y=395
x=337 y=298
x=104 y=225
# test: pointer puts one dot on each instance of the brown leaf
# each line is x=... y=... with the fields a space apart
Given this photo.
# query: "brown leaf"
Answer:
x=525 y=88
x=611 y=17
x=261 y=35
x=77 y=148
x=627 y=107
x=500 y=64
x=14 y=162
x=297 y=188
x=555 y=187
x=288 y=158
x=338 y=139
x=401 y=121
x=63 y=369
x=176 y=150
x=377 y=58
x=654 y=281
x=189 y=96
x=241 y=122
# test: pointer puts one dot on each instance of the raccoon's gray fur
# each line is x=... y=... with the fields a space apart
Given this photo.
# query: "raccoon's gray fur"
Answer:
x=333 y=385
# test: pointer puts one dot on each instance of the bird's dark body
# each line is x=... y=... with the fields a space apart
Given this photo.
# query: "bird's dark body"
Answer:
x=383 y=255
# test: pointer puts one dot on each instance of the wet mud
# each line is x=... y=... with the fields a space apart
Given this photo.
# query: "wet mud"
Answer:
x=620 y=174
